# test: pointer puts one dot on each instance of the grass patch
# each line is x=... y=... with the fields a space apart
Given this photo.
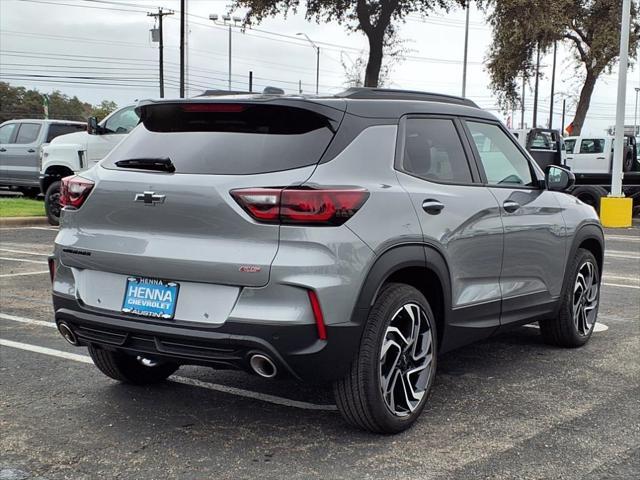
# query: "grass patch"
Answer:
x=21 y=207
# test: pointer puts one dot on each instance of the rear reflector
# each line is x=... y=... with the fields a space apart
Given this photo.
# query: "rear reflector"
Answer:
x=301 y=206
x=317 y=315
x=74 y=191
x=52 y=267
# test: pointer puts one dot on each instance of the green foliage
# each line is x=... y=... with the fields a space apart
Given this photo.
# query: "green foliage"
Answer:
x=18 y=102
x=104 y=109
x=591 y=28
x=377 y=19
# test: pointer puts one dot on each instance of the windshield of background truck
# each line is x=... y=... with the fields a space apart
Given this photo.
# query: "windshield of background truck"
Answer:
x=570 y=144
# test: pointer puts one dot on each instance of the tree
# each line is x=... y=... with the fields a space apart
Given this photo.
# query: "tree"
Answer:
x=377 y=19
x=591 y=28
x=104 y=109
x=18 y=102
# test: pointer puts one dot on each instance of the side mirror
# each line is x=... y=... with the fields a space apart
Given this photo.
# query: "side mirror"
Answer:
x=558 y=179
x=92 y=126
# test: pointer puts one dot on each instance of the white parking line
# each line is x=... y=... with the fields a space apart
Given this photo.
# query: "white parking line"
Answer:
x=15 y=318
x=240 y=392
x=621 y=254
x=55 y=229
x=621 y=277
x=23 y=260
x=25 y=253
x=4 y=275
x=599 y=327
x=627 y=238
x=620 y=286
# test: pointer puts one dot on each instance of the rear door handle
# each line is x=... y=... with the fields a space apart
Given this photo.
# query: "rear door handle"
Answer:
x=432 y=207
x=600 y=158
x=31 y=150
x=510 y=206
x=3 y=149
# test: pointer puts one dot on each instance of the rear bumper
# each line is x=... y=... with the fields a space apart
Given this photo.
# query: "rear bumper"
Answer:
x=294 y=348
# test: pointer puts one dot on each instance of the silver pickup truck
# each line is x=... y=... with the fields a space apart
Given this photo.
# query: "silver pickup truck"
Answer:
x=21 y=143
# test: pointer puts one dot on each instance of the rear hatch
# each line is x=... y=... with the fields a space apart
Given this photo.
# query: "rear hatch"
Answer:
x=161 y=205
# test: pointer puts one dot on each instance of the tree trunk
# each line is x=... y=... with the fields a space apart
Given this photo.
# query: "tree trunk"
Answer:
x=374 y=64
x=583 y=103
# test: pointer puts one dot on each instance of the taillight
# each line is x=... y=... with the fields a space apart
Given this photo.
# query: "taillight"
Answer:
x=213 y=107
x=301 y=206
x=74 y=191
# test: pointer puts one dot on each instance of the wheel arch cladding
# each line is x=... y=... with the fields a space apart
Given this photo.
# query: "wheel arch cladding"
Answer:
x=589 y=237
x=420 y=266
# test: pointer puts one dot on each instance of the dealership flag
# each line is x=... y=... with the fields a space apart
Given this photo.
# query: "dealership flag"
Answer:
x=45 y=105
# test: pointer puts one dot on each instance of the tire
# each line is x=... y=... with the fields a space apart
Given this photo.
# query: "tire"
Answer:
x=359 y=395
x=566 y=330
x=627 y=165
x=52 y=203
x=590 y=194
x=128 y=369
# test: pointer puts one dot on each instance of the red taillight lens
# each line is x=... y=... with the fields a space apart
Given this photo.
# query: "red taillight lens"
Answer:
x=301 y=206
x=74 y=191
x=263 y=204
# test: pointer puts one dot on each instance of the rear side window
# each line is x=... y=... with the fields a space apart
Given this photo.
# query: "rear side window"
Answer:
x=28 y=133
x=433 y=150
x=227 y=139
x=56 y=129
x=592 y=145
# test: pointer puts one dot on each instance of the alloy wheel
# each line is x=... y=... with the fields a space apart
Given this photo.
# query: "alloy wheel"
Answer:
x=406 y=359
x=585 y=298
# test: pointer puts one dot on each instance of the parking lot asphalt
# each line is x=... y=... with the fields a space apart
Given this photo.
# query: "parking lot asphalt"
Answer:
x=507 y=408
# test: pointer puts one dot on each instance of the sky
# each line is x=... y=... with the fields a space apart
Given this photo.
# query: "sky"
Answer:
x=107 y=43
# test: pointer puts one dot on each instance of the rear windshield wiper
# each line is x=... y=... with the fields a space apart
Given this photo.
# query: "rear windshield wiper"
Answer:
x=155 y=164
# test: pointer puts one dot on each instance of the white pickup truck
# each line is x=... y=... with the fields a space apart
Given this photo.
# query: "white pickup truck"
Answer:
x=69 y=154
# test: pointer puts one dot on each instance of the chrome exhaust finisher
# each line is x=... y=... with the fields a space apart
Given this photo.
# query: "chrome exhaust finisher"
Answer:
x=67 y=333
x=263 y=365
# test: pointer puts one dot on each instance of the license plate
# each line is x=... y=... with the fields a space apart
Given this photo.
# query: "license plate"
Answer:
x=150 y=297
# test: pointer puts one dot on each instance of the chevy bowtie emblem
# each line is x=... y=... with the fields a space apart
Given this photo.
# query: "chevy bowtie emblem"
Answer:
x=149 y=198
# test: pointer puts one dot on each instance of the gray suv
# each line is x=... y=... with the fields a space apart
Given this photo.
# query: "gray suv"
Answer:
x=347 y=239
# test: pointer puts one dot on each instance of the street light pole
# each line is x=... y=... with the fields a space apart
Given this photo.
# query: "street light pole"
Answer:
x=227 y=18
x=466 y=51
x=317 y=48
x=618 y=148
x=635 y=116
x=553 y=83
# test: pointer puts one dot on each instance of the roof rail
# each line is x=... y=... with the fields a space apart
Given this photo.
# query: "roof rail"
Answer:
x=364 y=93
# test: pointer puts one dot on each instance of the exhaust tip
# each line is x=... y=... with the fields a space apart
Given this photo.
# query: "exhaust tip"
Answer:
x=67 y=333
x=263 y=365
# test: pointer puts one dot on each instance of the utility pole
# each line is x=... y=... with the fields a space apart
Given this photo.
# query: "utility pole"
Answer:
x=564 y=107
x=535 y=91
x=635 y=116
x=182 y=18
x=250 y=81
x=159 y=16
x=522 y=105
x=553 y=83
x=466 y=51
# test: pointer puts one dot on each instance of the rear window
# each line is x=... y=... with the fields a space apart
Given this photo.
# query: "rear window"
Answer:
x=56 y=129
x=227 y=139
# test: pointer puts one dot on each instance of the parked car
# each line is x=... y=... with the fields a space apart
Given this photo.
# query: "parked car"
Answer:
x=347 y=239
x=545 y=145
x=21 y=143
x=76 y=152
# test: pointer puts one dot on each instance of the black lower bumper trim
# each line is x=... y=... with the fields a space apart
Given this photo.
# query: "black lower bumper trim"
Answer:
x=294 y=348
